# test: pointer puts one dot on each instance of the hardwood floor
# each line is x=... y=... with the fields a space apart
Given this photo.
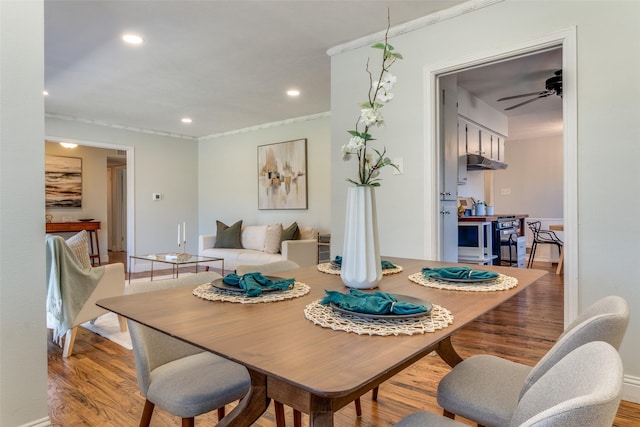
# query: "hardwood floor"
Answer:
x=97 y=385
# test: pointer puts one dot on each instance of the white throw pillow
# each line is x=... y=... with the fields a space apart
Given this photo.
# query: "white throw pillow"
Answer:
x=307 y=233
x=254 y=236
x=272 y=242
x=79 y=244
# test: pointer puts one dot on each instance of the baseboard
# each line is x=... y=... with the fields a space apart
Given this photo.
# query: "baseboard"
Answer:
x=631 y=389
x=42 y=422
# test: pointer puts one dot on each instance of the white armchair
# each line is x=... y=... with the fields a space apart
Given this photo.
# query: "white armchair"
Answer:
x=73 y=289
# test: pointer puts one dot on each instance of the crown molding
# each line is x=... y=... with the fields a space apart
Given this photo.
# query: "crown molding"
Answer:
x=268 y=125
x=425 y=21
x=117 y=126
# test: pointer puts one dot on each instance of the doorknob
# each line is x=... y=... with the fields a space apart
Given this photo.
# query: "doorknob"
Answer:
x=448 y=193
x=443 y=212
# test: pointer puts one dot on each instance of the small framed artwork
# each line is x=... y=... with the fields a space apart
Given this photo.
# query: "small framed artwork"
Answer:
x=63 y=182
x=282 y=175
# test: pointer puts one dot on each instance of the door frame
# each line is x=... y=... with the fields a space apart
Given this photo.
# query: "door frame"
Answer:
x=566 y=39
x=130 y=182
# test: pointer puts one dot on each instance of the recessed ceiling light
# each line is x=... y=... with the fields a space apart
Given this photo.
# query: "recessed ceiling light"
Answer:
x=293 y=92
x=68 y=144
x=186 y=120
x=132 y=39
x=45 y=93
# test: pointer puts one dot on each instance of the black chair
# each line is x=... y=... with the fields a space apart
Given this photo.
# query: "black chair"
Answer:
x=542 y=237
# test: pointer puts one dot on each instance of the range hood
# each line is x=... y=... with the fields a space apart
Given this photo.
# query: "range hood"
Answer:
x=477 y=162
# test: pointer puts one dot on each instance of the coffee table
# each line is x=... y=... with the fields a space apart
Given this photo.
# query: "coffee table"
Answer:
x=175 y=259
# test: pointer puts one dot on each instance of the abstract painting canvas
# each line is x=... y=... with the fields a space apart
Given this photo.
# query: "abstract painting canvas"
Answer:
x=282 y=175
x=63 y=182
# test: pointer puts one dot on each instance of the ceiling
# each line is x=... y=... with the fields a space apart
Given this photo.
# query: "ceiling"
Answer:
x=228 y=64
x=523 y=75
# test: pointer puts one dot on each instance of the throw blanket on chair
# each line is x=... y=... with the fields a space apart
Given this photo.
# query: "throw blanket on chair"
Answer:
x=69 y=285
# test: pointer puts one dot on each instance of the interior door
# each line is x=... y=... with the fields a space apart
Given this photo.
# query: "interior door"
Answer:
x=448 y=140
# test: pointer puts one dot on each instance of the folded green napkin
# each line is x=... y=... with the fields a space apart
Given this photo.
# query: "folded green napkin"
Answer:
x=254 y=283
x=386 y=265
x=375 y=303
x=458 y=273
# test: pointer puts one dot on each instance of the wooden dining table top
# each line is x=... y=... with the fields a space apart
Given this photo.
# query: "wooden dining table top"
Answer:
x=314 y=369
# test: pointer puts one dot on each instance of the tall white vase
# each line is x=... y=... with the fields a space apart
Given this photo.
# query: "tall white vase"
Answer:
x=361 y=267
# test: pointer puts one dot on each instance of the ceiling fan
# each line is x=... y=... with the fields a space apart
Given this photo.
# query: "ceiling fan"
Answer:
x=553 y=86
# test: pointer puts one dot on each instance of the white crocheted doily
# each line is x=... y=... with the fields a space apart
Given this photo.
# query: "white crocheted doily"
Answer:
x=210 y=293
x=501 y=283
x=329 y=269
x=325 y=316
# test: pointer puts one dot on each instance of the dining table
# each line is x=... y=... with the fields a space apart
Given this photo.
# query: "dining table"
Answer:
x=312 y=368
x=559 y=227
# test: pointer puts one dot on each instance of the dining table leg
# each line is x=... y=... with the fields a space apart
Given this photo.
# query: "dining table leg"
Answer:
x=320 y=413
x=447 y=353
x=252 y=406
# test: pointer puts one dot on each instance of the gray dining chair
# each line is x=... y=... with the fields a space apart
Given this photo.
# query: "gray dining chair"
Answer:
x=486 y=389
x=178 y=377
x=582 y=389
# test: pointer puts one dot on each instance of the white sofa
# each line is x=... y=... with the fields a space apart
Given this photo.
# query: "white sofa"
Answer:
x=257 y=249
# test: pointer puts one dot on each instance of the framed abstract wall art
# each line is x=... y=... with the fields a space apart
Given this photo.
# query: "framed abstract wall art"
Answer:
x=63 y=182
x=282 y=175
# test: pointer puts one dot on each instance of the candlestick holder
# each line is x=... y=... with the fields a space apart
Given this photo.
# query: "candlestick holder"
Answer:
x=184 y=247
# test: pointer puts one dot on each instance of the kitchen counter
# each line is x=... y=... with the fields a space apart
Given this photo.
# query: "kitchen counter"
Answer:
x=489 y=218
x=494 y=218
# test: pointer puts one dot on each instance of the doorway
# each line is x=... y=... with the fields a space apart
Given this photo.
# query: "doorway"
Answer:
x=566 y=39
x=117 y=157
x=508 y=99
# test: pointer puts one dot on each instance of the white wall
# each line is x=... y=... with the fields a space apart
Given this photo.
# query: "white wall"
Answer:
x=533 y=178
x=607 y=142
x=534 y=181
x=161 y=164
x=228 y=176
x=23 y=345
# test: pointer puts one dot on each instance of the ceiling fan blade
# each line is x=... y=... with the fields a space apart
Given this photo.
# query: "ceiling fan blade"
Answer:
x=520 y=96
x=525 y=102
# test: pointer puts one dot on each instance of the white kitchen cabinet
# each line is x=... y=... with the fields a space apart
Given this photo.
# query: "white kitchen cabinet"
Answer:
x=476 y=139
x=485 y=143
x=462 y=153
x=497 y=148
x=473 y=139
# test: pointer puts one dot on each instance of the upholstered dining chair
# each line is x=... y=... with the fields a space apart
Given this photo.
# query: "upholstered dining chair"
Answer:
x=179 y=377
x=74 y=286
x=486 y=389
x=541 y=237
x=582 y=389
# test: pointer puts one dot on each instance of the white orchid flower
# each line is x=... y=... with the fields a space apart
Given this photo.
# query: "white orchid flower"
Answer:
x=371 y=117
x=384 y=96
x=389 y=81
x=356 y=142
